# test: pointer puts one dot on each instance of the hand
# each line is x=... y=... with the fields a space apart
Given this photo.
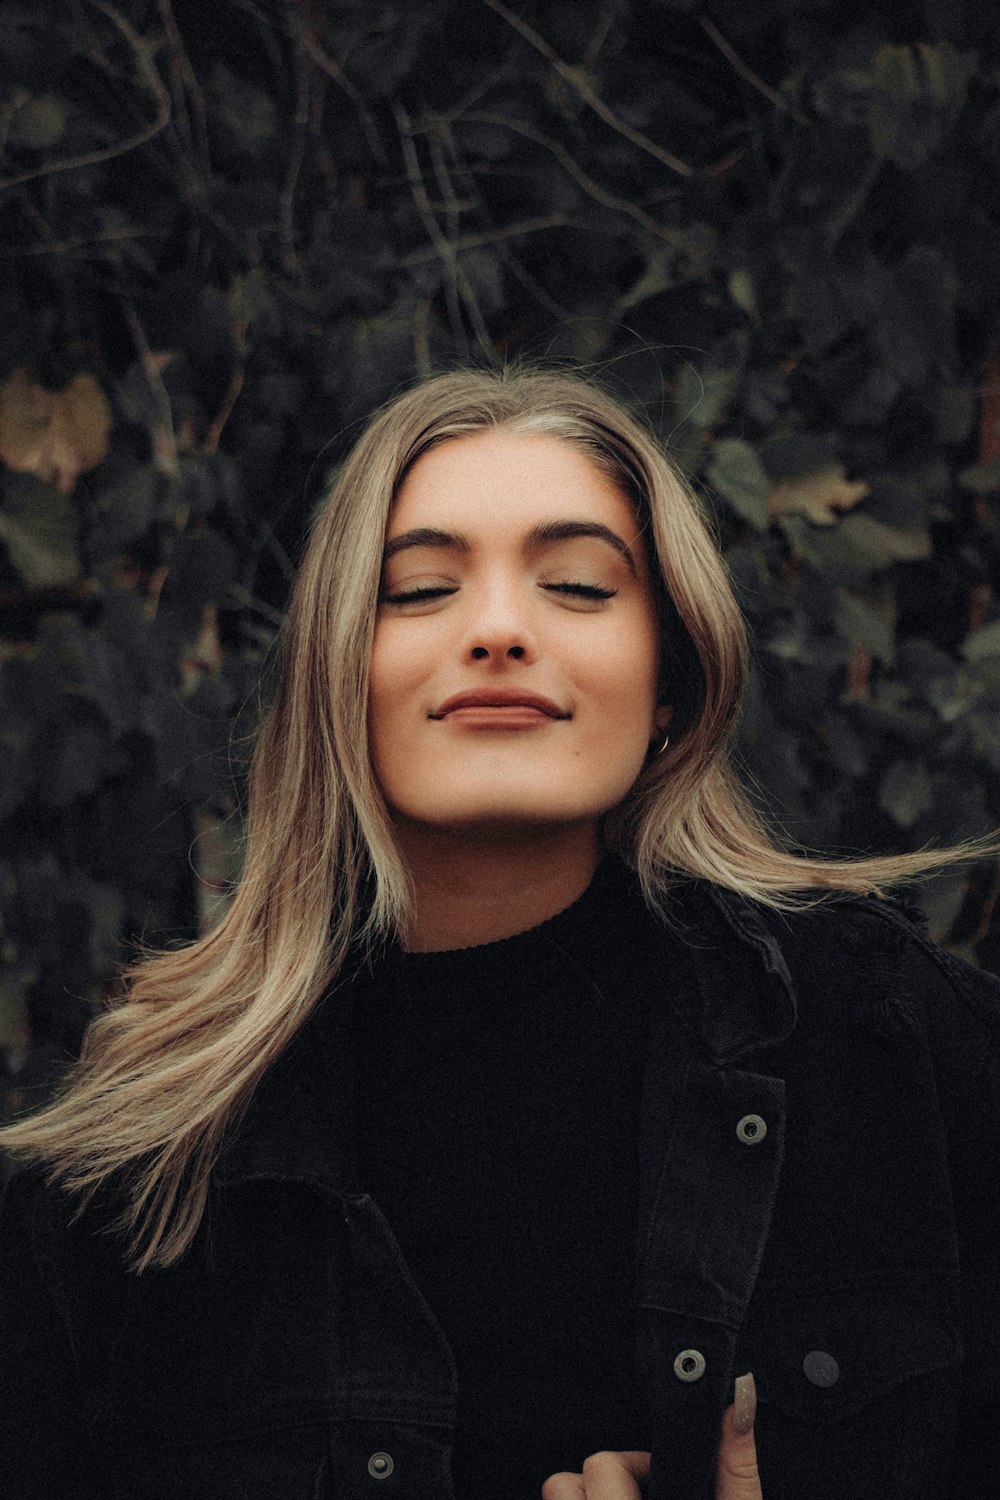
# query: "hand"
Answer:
x=619 y=1476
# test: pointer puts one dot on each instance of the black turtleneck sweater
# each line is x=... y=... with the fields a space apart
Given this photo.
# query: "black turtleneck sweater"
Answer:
x=498 y=1098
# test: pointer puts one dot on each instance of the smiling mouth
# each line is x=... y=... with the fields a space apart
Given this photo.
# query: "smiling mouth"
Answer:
x=495 y=716
x=500 y=709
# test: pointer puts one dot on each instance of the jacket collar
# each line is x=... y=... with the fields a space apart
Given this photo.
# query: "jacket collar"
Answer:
x=747 y=997
x=300 y=1123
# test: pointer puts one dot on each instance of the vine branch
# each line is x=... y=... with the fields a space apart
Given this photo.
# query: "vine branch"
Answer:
x=444 y=247
x=578 y=81
x=489 y=237
x=747 y=73
x=141 y=50
x=593 y=189
x=332 y=69
x=164 y=436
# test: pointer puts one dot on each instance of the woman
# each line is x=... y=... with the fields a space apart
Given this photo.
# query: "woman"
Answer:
x=527 y=1098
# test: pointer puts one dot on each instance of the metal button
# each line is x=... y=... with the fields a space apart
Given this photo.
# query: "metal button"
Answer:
x=751 y=1130
x=380 y=1465
x=821 y=1368
x=689 y=1365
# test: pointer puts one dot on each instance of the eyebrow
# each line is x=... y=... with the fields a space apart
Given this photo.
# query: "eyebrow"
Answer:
x=539 y=536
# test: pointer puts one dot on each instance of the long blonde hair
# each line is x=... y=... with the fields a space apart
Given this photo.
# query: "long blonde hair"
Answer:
x=171 y=1065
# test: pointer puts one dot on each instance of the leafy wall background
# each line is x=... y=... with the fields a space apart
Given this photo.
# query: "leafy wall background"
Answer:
x=228 y=231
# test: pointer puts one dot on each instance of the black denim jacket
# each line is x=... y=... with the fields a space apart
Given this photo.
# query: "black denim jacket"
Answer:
x=820 y=1195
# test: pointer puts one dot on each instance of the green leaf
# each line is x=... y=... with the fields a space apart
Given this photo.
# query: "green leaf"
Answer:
x=75 y=763
x=245 y=108
x=704 y=396
x=983 y=643
x=821 y=495
x=944 y=73
x=885 y=544
x=658 y=276
x=38 y=124
x=864 y=626
x=744 y=293
x=894 y=73
x=855 y=548
x=982 y=479
x=125 y=510
x=916 y=96
x=906 y=792
x=735 y=470
x=846 y=748
x=38 y=528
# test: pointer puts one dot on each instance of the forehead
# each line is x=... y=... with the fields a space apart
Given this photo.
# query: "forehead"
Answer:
x=499 y=482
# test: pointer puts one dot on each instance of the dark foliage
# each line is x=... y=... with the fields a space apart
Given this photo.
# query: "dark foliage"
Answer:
x=228 y=230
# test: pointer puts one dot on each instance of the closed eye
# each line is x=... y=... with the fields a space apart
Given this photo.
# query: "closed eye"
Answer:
x=581 y=590
x=417 y=596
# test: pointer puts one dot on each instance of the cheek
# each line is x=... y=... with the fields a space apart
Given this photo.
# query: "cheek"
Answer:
x=385 y=691
x=624 y=679
x=395 y=670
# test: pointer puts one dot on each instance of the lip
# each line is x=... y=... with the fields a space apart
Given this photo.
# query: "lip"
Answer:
x=497 y=699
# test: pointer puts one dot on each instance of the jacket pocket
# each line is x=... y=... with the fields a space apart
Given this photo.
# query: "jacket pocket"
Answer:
x=858 y=1391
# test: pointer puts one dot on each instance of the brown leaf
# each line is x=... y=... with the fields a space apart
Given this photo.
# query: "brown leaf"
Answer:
x=57 y=435
x=822 y=496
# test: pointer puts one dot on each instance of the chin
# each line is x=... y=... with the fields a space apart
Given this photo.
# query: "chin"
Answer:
x=507 y=817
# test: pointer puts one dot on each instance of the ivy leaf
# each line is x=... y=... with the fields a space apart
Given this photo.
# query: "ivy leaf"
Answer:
x=38 y=528
x=983 y=643
x=657 y=276
x=704 y=396
x=737 y=473
x=916 y=95
x=124 y=511
x=38 y=123
x=906 y=792
x=76 y=763
x=982 y=479
x=244 y=108
x=846 y=748
x=744 y=293
x=864 y=626
x=856 y=548
x=822 y=496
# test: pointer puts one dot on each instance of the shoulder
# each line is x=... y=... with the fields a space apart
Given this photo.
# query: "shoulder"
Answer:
x=869 y=962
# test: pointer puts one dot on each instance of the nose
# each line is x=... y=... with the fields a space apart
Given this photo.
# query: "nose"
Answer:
x=483 y=653
x=499 y=630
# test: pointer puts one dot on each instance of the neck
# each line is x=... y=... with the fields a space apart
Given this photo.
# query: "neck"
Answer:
x=474 y=888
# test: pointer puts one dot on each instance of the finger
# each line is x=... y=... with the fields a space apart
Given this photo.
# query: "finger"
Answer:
x=564 y=1487
x=736 y=1474
x=606 y=1476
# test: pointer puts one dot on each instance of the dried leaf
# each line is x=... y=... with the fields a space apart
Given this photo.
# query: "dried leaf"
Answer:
x=823 y=496
x=56 y=435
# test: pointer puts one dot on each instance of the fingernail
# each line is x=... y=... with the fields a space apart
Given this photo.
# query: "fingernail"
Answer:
x=744 y=1404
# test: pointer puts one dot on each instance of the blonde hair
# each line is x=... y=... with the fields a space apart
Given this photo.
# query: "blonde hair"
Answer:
x=171 y=1065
